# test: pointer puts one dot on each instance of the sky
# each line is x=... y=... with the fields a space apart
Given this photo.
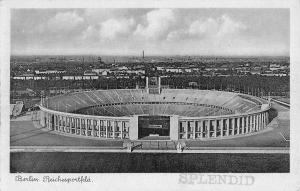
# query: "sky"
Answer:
x=156 y=31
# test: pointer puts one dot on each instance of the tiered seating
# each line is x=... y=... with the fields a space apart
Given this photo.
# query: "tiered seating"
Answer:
x=130 y=97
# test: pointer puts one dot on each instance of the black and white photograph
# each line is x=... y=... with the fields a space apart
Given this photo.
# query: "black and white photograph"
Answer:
x=202 y=93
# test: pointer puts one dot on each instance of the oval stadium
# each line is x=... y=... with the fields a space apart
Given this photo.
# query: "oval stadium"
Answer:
x=154 y=113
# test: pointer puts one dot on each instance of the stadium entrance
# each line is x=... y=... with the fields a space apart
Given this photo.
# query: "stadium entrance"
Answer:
x=154 y=127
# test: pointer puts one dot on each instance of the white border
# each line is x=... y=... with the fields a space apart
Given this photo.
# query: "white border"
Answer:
x=157 y=181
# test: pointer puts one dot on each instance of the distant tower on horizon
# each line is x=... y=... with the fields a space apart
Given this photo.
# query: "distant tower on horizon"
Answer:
x=143 y=55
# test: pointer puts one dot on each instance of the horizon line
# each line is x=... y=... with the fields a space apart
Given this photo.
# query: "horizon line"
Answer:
x=150 y=55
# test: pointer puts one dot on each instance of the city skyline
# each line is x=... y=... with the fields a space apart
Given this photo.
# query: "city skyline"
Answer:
x=207 y=32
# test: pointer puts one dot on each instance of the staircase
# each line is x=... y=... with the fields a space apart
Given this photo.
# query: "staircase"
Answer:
x=152 y=145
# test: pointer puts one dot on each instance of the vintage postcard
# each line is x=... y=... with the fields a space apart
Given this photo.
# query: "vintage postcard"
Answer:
x=150 y=95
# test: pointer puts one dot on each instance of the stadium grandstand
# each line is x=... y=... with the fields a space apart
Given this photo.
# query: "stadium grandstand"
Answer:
x=154 y=112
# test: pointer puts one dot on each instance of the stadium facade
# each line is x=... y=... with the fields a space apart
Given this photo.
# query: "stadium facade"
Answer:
x=155 y=113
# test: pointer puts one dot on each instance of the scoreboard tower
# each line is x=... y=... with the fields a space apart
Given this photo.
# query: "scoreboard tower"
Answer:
x=153 y=85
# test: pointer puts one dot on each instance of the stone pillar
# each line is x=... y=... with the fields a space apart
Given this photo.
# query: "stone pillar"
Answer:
x=77 y=121
x=249 y=123
x=59 y=123
x=252 y=123
x=221 y=127
x=66 y=125
x=238 y=125
x=93 y=128
x=98 y=126
x=133 y=131
x=75 y=124
x=42 y=118
x=105 y=124
x=243 y=125
x=122 y=125
x=80 y=125
x=62 y=123
x=174 y=127
x=186 y=129
x=200 y=123
x=54 y=122
x=233 y=125
x=71 y=124
x=61 y=126
x=215 y=128
x=65 y=122
x=261 y=121
x=264 y=120
x=86 y=127
x=227 y=124
x=83 y=126
x=208 y=127
x=246 y=124
x=46 y=120
x=194 y=129
x=114 y=129
x=50 y=121
x=257 y=122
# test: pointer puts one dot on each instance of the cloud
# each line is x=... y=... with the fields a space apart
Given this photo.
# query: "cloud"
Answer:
x=209 y=27
x=157 y=31
x=230 y=26
x=114 y=28
x=158 y=23
x=203 y=27
x=89 y=33
x=62 y=22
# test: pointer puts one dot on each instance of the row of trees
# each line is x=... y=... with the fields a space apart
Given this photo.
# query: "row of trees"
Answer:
x=254 y=84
